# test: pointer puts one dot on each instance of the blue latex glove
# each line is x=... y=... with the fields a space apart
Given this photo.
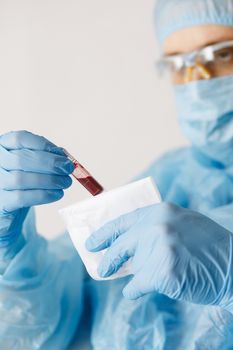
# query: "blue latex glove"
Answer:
x=176 y=252
x=33 y=171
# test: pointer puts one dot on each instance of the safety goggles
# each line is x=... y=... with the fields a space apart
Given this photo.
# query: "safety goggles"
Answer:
x=209 y=61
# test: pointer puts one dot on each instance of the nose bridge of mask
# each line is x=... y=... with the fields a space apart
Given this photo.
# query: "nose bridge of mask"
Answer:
x=216 y=88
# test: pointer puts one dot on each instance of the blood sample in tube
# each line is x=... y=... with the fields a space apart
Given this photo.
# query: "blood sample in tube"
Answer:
x=84 y=177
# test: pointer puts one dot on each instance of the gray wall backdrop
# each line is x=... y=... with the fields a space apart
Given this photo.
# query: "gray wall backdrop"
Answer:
x=81 y=73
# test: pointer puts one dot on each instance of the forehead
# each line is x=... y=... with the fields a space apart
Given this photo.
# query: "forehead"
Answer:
x=189 y=39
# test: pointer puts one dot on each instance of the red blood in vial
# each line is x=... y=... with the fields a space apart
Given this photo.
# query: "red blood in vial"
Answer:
x=85 y=178
x=91 y=185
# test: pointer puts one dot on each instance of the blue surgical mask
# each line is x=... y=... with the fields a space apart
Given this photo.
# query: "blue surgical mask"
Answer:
x=205 y=112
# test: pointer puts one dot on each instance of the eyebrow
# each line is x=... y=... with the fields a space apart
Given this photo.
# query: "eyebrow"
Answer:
x=212 y=42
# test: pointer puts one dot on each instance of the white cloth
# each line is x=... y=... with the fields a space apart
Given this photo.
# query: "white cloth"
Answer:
x=83 y=218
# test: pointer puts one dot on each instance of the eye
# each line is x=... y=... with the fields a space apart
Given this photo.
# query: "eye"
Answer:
x=224 y=55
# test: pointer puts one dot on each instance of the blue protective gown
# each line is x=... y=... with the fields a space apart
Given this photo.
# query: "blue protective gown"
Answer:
x=47 y=299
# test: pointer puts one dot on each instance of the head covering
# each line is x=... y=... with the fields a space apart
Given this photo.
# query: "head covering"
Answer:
x=173 y=15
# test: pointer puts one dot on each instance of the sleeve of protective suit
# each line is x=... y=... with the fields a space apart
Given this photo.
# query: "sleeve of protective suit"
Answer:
x=41 y=292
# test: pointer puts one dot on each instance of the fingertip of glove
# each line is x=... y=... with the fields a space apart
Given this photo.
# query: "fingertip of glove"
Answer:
x=55 y=194
x=90 y=245
x=67 y=182
x=68 y=166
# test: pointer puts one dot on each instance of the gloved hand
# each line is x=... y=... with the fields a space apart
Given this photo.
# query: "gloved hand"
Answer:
x=175 y=251
x=33 y=171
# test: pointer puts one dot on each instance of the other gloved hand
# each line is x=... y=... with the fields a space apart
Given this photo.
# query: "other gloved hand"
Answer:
x=175 y=251
x=33 y=171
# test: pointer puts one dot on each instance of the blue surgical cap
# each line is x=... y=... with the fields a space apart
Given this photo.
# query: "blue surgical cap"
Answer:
x=173 y=15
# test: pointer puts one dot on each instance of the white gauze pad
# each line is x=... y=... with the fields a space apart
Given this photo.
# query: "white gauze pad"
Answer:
x=85 y=217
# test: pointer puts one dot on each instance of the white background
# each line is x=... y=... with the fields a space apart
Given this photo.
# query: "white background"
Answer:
x=81 y=73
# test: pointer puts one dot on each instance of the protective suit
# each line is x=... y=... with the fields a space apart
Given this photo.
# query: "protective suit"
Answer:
x=42 y=302
x=43 y=305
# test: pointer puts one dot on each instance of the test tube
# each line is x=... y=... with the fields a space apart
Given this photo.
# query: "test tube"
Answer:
x=84 y=177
